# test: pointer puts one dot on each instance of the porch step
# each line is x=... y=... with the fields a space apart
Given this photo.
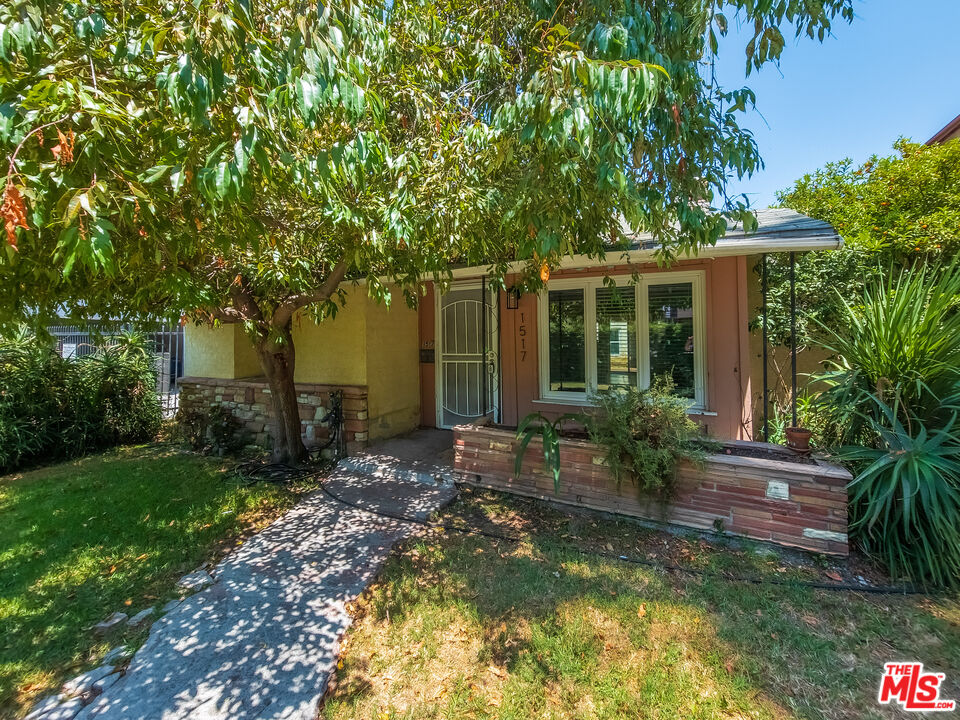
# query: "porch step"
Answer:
x=387 y=467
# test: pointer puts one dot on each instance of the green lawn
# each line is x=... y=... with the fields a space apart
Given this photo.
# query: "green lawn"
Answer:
x=83 y=539
x=470 y=627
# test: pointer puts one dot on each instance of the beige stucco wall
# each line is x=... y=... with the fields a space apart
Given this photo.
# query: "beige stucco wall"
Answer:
x=393 y=368
x=245 y=361
x=334 y=352
x=209 y=352
x=367 y=344
x=223 y=352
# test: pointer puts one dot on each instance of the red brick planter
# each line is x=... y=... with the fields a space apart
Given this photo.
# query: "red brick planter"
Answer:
x=788 y=503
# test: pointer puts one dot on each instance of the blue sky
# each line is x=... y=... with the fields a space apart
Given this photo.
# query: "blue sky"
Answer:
x=893 y=72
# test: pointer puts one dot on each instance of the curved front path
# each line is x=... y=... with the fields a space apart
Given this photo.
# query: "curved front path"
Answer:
x=262 y=641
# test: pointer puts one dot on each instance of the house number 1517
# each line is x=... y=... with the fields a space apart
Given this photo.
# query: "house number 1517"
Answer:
x=522 y=334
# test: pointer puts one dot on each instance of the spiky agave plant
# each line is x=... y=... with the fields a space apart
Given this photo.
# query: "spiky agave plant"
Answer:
x=905 y=501
x=902 y=340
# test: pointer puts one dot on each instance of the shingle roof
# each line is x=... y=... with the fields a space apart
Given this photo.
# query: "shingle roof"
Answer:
x=778 y=229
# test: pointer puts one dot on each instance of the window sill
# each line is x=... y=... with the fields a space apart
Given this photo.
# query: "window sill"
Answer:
x=578 y=402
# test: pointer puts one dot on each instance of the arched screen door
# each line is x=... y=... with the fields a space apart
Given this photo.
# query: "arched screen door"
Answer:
x=468 y=366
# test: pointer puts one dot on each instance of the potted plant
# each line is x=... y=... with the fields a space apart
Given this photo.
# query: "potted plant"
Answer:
x=798 y=439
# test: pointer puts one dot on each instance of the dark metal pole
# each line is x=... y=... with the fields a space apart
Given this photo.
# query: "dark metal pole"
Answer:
x=766 y=385
x=793 y=336
x=483 y=342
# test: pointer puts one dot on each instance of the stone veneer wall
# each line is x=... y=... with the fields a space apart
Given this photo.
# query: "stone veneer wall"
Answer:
x=793 y=504
x=249 y=401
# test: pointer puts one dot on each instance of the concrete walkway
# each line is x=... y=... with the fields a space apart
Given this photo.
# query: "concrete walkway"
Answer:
x=262 y=641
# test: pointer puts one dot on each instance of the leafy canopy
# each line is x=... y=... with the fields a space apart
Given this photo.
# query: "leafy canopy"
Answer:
x=895 y=212
x=169 y=155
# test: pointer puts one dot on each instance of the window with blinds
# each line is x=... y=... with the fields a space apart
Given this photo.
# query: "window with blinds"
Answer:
x=672 y=336
x=594 y=336
x=567 y=341
x=616 y=310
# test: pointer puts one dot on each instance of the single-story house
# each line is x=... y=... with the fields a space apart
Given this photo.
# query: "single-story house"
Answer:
x=472 y=351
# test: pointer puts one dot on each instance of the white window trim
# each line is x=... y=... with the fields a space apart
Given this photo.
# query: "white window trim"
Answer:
x=697 y=278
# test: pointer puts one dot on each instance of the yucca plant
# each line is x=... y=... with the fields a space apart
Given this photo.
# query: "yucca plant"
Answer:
x=891 y=406
x=905 y=500
x=903 y=339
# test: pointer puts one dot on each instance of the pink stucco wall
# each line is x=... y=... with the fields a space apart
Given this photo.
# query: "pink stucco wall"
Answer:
x=728 y=413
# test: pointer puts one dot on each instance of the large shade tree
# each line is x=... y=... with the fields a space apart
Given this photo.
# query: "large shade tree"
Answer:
x=239 y=160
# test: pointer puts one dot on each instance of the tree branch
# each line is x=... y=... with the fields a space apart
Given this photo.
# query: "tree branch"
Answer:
x=285 y=310
x=227 y=315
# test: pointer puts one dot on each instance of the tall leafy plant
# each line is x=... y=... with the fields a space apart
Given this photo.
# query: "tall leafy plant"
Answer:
x=902 y=339
x=891 y=405
x=645 y=434
x=238 y=161
x=53 y=408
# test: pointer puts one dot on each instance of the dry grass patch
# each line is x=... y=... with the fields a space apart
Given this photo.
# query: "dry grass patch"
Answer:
x=471 y=627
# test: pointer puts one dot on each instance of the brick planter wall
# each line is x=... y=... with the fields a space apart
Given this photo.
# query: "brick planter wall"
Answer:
x=787 y=503
x=249 y=401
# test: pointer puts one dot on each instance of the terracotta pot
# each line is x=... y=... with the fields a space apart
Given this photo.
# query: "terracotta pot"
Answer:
x=798 y=439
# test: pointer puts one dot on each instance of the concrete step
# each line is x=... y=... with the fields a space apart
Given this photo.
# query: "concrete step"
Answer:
x=387 y=467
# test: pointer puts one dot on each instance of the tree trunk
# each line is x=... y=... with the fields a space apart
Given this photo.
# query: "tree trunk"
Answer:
x=278 y=362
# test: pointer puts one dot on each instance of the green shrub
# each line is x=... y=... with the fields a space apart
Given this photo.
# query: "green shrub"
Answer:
x=645 y=434
x=891 y=408
x=52 y=408
x=901 y=340
x=538 y=424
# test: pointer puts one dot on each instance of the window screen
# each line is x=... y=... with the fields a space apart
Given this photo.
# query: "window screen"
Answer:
x=567 y=341
x=672 y=335
x=616 y=337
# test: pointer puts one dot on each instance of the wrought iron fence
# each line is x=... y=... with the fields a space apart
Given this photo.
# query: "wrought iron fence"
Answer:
x=166 y=341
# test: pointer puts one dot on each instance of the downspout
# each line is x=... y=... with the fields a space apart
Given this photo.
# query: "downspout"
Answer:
x=483 y=341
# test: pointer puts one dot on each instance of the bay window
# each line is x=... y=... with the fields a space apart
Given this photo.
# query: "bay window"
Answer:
x=596 y=335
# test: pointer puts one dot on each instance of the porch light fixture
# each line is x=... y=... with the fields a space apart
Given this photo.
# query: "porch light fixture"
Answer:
x=513 y=298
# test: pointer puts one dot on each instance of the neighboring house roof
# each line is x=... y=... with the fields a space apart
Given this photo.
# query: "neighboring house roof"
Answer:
x=778 y=230
x=949 y=132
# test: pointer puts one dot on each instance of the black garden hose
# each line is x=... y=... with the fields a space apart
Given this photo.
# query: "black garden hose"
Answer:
x=278 y=472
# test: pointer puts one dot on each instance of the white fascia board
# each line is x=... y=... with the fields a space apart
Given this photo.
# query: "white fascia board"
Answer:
x=747 y=246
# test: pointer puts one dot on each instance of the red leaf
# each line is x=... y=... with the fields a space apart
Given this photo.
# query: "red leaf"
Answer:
x=14 y=213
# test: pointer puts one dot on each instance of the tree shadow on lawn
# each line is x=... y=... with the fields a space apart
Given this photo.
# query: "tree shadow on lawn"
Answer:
x=107 y=533
x=470 y=625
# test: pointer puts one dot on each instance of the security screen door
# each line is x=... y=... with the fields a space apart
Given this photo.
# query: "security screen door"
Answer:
x=468 y=369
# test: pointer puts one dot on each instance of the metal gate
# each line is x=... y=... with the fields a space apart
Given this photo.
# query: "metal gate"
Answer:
x=468 y=366
x=165 y=340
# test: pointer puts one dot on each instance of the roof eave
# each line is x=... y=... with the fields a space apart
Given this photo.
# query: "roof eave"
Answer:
x=756 y=245
x=946 y=132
